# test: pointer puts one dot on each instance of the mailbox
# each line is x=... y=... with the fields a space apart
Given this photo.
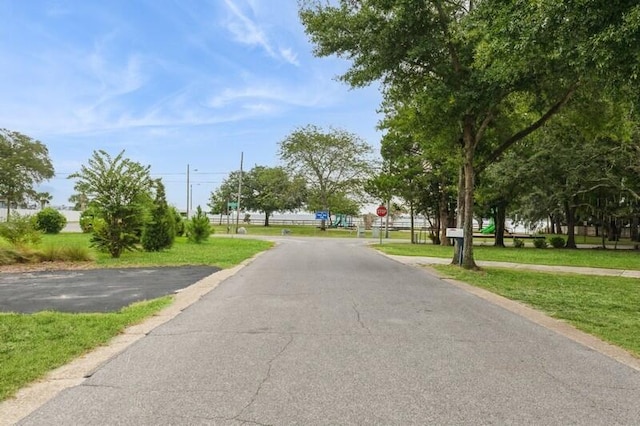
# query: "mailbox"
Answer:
x=455 y=233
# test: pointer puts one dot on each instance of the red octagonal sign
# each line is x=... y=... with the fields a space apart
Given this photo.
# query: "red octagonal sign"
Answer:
x=381 y=211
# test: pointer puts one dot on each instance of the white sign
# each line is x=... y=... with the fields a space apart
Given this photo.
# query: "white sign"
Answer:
x=455 y=233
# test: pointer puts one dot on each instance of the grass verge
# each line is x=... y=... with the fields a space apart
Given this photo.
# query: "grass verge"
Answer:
x=596 y=258
x=220 y=252
x=606 y=307
x=32 y=345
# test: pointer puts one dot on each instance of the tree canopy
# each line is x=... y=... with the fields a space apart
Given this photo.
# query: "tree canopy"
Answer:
x=119 y=190
x=470 y=62
x=334 y=163
x=24 y=162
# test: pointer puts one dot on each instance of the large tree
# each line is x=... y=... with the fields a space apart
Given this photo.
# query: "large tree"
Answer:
x=274 y=190
x=333 y=163
x=471 y=60
x=119 y=190
x=24 y=162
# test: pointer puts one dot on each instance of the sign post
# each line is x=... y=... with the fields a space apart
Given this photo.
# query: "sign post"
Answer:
x=381 y=211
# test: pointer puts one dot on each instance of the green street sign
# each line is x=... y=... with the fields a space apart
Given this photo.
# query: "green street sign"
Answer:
x=232 y=204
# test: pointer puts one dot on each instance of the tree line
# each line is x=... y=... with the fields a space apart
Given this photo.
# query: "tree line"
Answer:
x=468 y=83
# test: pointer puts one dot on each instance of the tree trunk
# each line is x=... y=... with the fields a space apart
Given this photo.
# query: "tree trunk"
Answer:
x=413 y=228
x=460 y=215
x=558 y=224
x=570 y=211
x=633 y=232
x=498 y=220
x=444 y=219
x=469 y=182
x=613 y=231
x=266 y=218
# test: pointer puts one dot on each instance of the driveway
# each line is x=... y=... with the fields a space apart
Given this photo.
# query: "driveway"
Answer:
x=95 y=290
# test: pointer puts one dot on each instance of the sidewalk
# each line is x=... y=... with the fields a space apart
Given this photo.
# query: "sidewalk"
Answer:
x=418 y=260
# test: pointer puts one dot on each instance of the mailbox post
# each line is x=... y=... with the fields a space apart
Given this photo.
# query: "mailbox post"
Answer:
x=458 y=235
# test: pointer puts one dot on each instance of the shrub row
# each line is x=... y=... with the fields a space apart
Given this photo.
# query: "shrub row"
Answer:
x=13 y=255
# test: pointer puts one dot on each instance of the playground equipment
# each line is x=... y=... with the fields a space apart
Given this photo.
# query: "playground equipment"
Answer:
x=490 y=229
x=342 y=221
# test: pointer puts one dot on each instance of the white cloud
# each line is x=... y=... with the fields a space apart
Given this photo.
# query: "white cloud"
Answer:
x=248 y=31
x=290 y=56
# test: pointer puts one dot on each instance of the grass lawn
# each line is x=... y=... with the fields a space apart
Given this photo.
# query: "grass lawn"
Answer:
x=31 y=345
x=221 y=252
x=607 y=307
x=597 y=258
x=306 y=231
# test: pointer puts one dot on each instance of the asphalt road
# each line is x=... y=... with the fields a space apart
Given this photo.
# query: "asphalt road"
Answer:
x=94 y=290
x=329 y=332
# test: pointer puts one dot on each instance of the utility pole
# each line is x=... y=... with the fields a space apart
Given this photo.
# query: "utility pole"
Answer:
x=239 y=192
x=188 y=195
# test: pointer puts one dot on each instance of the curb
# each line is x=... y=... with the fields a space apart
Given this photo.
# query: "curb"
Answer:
x=558 y=326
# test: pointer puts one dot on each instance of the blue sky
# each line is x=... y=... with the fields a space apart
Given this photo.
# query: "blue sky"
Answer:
x=172 y=82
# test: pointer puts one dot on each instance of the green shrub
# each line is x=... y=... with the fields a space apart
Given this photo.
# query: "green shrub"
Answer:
x=540 y=243
x=10 y=256
x=518 y=243
x=557 y=242
x=50 y=221
x=113 y=237
x=64 y=254
x=159 y=230
x=20 y=230
x=198 y=228
x=179 y=225
x=87 y=219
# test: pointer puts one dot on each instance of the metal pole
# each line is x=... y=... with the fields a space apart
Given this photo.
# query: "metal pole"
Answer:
x=188 y=199
x=191 y=197
x=380 y=230
x=239 y=192
x=386 y=226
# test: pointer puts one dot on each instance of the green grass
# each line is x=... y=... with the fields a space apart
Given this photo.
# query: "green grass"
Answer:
x=221 y=252
x=305 y=231
x=607 y=307
x=597 y=258
x=31 y=345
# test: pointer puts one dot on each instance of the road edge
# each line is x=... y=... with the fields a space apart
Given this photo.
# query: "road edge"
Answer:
x=36 y=394
x=561 y=327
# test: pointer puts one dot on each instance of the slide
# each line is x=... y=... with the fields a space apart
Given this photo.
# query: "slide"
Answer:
x=489 y=229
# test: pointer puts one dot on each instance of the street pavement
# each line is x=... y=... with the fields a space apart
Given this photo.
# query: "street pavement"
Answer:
x=93 y=290
x=321 y=331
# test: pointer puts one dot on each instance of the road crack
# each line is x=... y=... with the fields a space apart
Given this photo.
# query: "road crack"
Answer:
x=264 y=380
x=358 y=316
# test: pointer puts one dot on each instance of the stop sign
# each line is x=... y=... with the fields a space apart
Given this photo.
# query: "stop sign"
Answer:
x=381 y=211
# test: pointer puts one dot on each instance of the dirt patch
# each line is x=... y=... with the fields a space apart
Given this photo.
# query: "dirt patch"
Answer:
x=47 y=266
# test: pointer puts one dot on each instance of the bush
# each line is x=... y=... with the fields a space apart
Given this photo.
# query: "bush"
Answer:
x=87 y=219
x=199 y=228
x=540 y=243
x=179 y=223
x=159 y=230
x=9 y=256
x=50 y=221
x=518 y=243
x=20 y=230
x=557 y=242
x=64 y=254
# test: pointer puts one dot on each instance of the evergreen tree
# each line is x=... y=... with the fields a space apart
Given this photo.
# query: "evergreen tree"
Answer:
x=159 y=232
x=198 y=228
